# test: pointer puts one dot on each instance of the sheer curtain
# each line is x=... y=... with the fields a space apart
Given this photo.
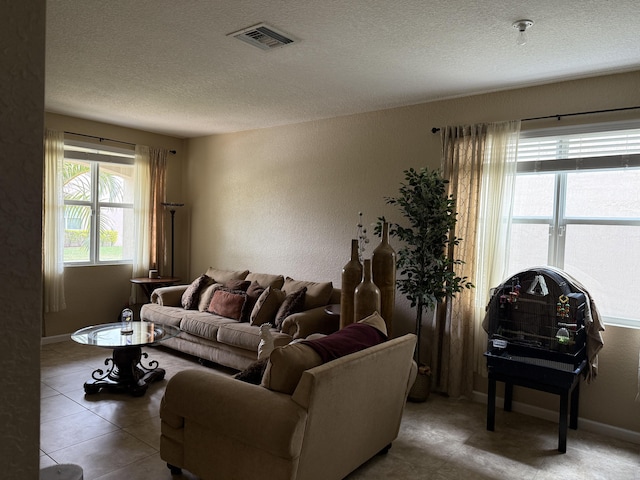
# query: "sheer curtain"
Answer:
x=53 y=221
x=479 y=163
x=494 y=223
x=150 y=186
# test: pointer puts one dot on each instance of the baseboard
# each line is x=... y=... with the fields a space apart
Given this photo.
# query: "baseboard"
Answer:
x=55 y=339
x=552 y=416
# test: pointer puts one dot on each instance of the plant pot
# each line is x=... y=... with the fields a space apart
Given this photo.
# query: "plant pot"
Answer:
x=421 y=388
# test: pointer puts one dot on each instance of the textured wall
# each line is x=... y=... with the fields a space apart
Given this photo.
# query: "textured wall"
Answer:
x=285 y=200
x=21 y=118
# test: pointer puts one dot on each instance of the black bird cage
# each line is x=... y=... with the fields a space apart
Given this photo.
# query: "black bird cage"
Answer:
x=537 y=317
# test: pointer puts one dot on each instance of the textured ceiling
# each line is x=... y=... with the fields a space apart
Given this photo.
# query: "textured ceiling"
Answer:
x=169 y=67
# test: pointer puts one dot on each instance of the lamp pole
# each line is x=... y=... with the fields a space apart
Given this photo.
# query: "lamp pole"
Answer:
x=172 y=209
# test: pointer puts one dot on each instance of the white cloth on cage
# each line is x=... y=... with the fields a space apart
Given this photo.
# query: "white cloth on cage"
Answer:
x=593 y=325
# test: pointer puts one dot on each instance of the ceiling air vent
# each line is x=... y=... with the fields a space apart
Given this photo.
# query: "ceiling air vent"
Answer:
x=263 y=37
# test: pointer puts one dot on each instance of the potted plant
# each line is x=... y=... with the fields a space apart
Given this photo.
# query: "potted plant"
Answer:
x=426 y=271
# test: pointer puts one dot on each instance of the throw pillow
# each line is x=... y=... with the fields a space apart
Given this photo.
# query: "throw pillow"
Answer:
x=236 y=284
x=267 y=306
x=318 y=294
x=253 y=294
x=293 y=303
x=376 y=321
x=227 y=303
x=253 y=373
x=286 y=365
x=267 y=280
x=223 y=276
x=191 y=295
x=206 y=295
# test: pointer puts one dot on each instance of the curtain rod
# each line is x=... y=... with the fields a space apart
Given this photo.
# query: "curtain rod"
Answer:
x=559 y=116
x=109 y=140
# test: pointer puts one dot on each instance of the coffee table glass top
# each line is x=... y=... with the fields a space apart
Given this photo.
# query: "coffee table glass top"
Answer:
x=110 y=335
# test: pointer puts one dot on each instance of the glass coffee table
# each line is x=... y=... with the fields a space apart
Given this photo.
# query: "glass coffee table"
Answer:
x=125 y=372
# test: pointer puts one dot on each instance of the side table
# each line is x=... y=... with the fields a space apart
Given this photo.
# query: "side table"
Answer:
x=150 y=284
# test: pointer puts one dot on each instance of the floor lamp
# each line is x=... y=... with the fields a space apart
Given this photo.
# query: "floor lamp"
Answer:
x=172 y=208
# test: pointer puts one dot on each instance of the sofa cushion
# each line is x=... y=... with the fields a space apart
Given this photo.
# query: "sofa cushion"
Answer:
x=267 y=280
x=247 y=337
x=191 y=295
x=267 y=306
x=203 y=325
x=152 y=312
x=206 y=295
x=293 y=303
x=286 y=365
x=317 y=295
x=228 y=303
x=223 y=276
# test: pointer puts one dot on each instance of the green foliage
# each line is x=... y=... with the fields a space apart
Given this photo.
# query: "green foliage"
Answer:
x=108 y=238
x=76 y=238
x=426 y=273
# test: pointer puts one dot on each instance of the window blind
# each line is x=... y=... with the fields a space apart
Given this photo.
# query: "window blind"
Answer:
x=590 y=150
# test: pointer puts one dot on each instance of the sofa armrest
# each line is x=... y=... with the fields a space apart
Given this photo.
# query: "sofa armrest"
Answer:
x=238 y=411
x=316 y=320
x=168 y=296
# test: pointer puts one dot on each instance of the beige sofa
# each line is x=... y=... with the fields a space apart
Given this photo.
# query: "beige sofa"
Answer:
x=229 y=342
x=340 y=414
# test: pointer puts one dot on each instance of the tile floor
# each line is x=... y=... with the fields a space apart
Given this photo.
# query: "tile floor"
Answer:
x=116 y=436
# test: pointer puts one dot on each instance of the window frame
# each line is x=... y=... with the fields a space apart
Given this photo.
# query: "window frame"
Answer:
x=96 y=155
x=560 y=168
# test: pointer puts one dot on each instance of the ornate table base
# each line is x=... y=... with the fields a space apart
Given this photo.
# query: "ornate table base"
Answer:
x=125 y=373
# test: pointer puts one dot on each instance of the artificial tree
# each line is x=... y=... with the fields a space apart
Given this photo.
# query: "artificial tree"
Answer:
x=426 y=270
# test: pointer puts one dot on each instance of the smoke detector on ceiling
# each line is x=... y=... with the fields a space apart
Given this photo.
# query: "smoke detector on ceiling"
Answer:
x=263 y=36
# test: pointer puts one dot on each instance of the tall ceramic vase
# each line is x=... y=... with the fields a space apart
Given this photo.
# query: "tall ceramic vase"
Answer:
x=351 y=277
x=367 y=294
x=383 y=264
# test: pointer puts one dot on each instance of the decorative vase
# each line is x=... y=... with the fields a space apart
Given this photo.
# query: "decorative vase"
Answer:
x=383 y=264
x=351 y=277
x=421 y=388
x=367 y=295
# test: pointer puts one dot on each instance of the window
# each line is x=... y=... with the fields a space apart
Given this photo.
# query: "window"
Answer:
x=577 y=207
x=98 y=189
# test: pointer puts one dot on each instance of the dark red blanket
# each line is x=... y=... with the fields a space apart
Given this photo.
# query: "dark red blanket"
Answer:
x=351 y=339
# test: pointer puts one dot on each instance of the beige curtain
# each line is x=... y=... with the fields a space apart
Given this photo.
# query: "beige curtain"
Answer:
x=150 y=178
x=479 y=163
x=53 y=223
x=494 y=223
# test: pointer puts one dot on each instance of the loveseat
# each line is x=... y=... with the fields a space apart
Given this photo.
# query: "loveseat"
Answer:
x=229 y=332
x=338 y=415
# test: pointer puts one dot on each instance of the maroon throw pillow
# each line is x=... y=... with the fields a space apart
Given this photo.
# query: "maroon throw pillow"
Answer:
x=352 y=338
x=228 y=303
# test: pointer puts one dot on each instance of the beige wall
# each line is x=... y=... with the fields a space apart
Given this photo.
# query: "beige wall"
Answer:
x=22 y=31
x=285 y=199
x=98 y=294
